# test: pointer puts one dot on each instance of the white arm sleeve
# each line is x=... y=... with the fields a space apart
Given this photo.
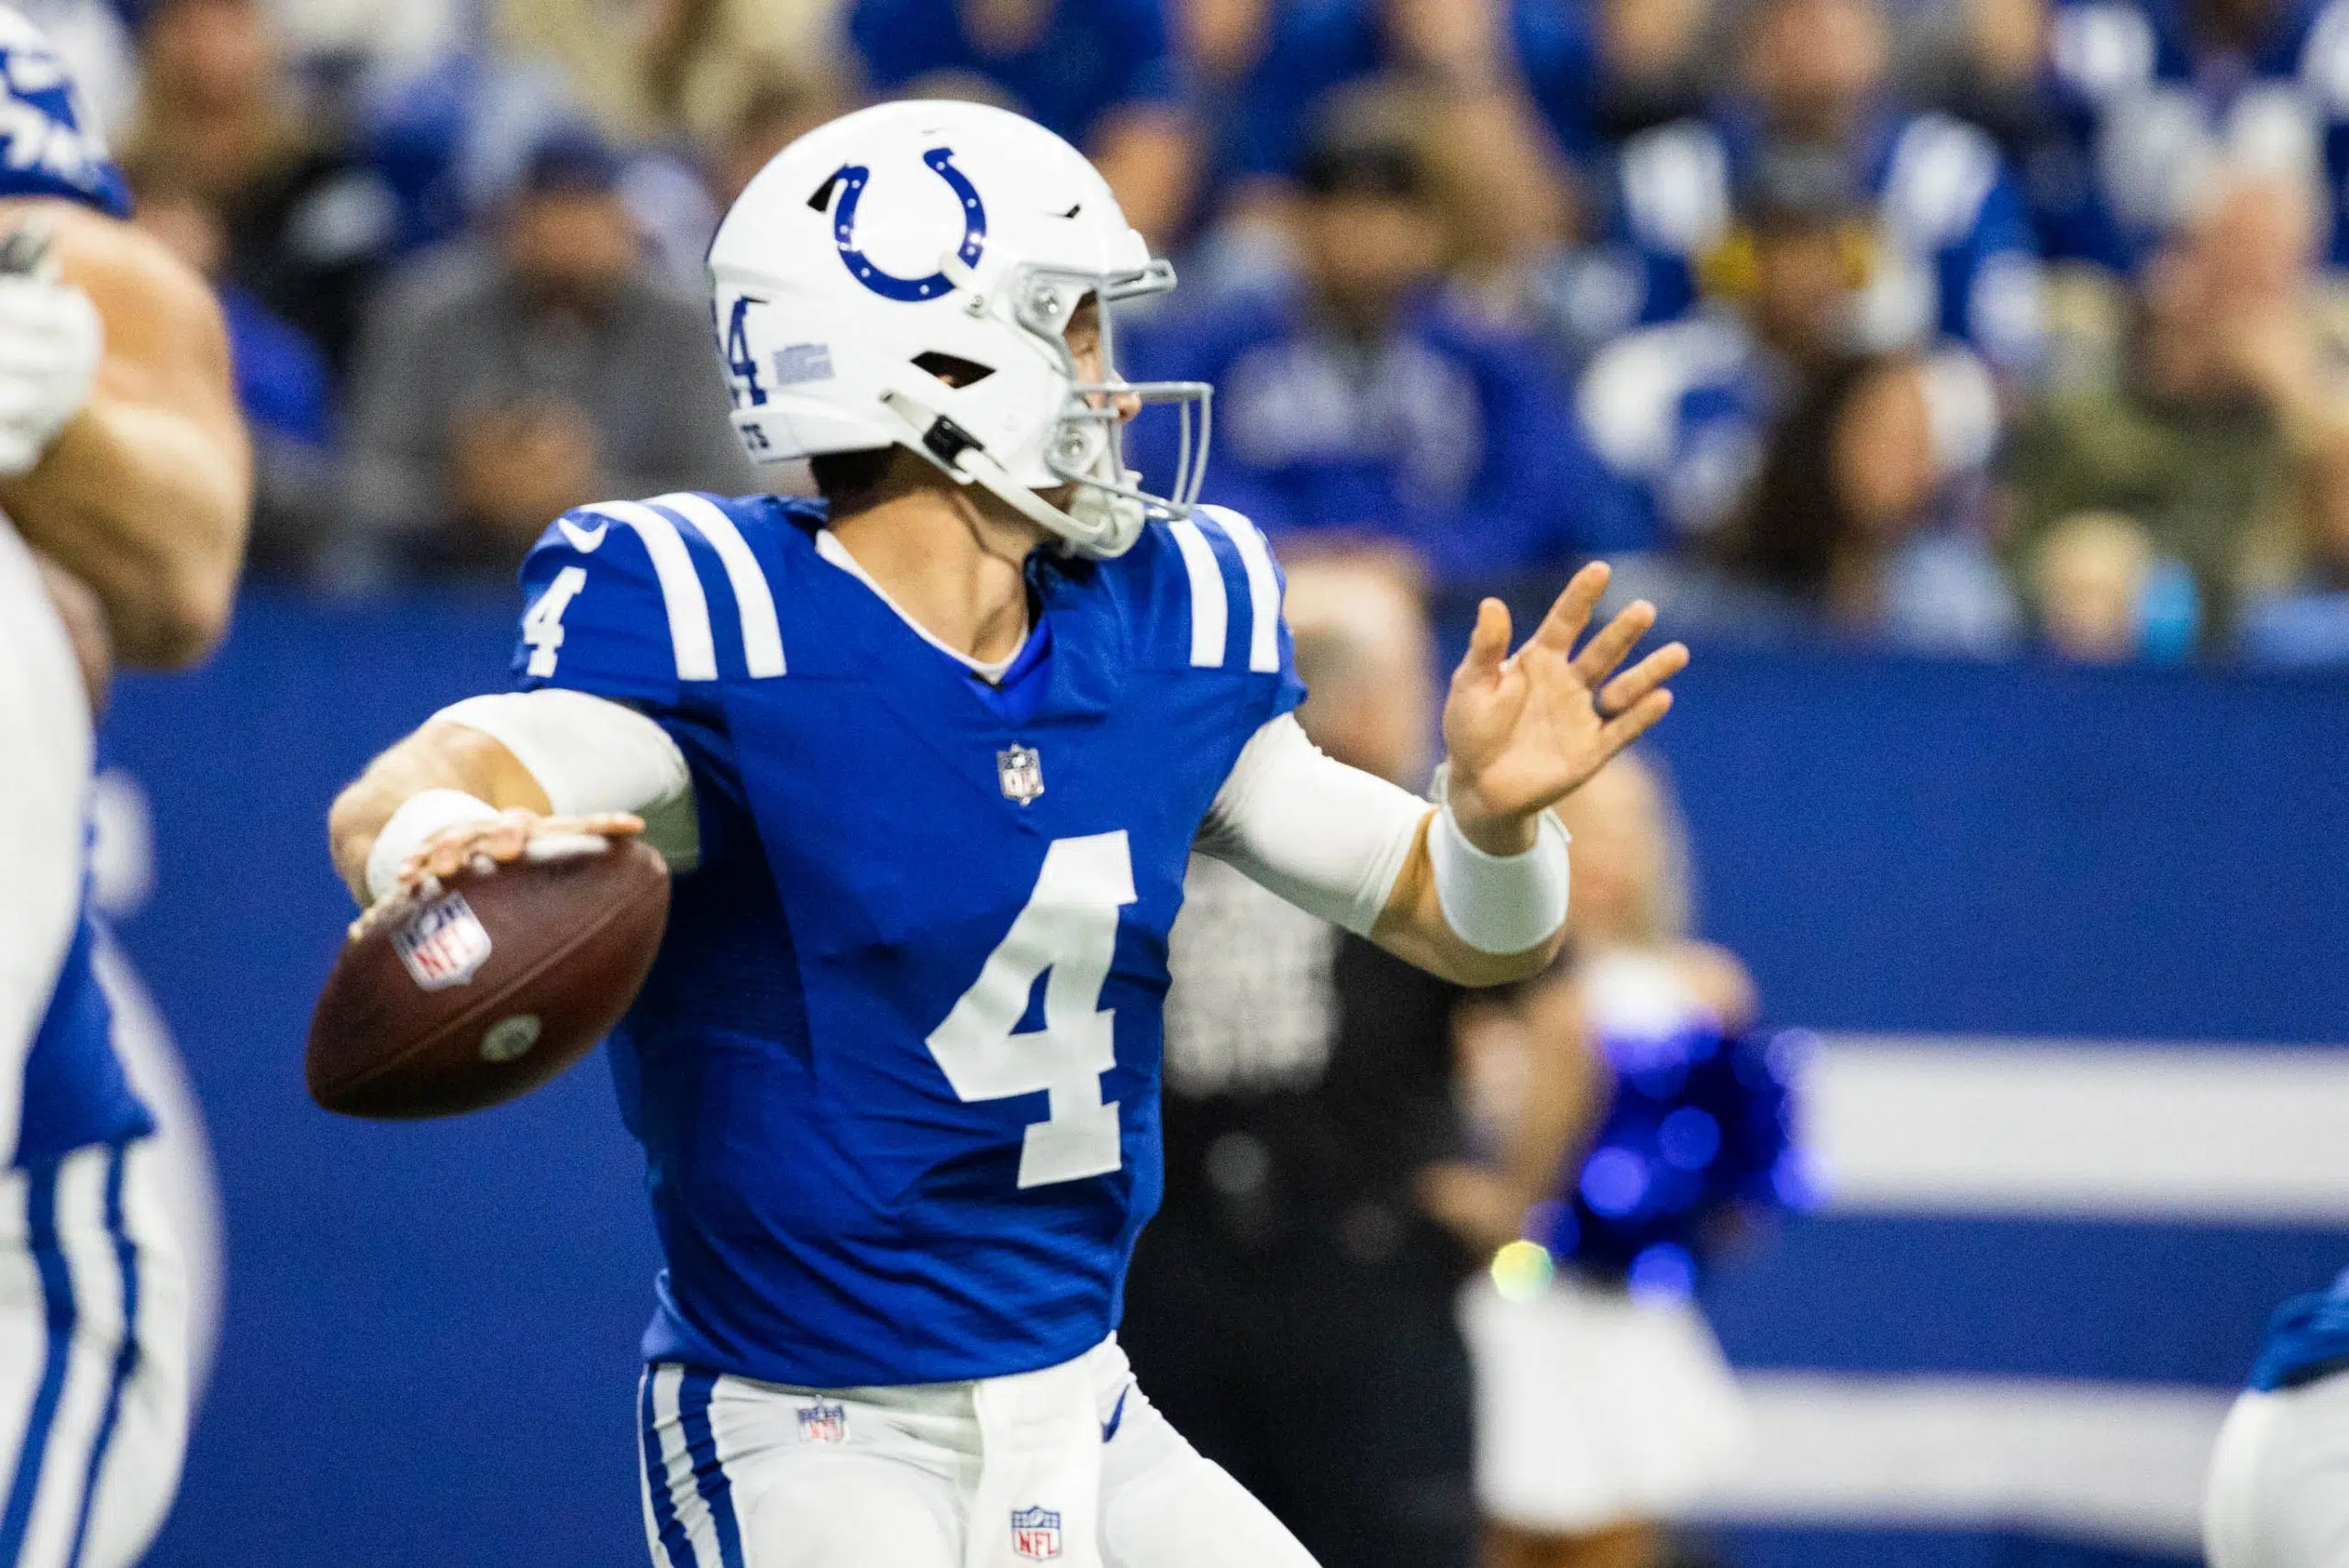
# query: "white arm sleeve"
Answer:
x=591 y=755
x=1330 y=839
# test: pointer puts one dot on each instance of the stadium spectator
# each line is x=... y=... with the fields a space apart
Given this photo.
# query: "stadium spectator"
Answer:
x=309 y=224
x=1361 y=403
x=502 y=383
x=2220 y=426
x=1628 y=1085
x=2150 y=95
x=1954 y=254
x=683 y=72
x=1853 y=526
x=1290 y=1308
x=1099 y=72
x=1796 y=479
x=283 y=386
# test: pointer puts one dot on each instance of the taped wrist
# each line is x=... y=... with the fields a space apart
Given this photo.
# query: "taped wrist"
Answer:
x=418 y=817
x=1499 y=904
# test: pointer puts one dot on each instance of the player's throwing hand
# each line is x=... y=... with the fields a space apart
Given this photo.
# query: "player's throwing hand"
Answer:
x=482 y=845
x=1524 y=729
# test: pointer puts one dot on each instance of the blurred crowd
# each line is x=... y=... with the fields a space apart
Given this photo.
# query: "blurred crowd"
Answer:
x=1958 y=326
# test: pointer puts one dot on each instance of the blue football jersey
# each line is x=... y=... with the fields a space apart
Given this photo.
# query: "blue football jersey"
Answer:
x=51 y=144
x=2307 y=1340
x=896 y=1070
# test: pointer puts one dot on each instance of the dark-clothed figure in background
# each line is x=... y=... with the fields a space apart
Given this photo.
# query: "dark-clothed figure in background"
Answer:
x=500 y=385
x=1359 y=402
x=309 y=224
x=1291 y=1306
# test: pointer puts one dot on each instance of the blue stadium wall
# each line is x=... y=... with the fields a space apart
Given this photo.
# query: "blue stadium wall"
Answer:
x=428 y=1343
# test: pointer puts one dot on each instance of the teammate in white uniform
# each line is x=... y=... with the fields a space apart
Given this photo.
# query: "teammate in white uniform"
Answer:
x=930 y=761
x=123 y=463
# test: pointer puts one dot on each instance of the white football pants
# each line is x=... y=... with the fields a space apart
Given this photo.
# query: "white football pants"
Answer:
x=44 y=785
x=744 y=1474
x=2279 y=1480
x=93 y=1331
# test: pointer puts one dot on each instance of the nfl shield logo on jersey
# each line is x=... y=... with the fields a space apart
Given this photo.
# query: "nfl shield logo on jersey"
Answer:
x=442 y=944
x=823 y=1423
x=1022 y=773
x=1036 y=1532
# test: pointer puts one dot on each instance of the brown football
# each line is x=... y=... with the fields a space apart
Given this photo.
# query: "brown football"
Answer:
x=492 y=986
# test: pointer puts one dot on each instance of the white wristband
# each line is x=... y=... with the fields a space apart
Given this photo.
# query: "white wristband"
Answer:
x=418 y=817
x=1499 y=904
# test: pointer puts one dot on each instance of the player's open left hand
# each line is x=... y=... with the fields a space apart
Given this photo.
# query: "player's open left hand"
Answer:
x=1524 y=729
x=482 y=847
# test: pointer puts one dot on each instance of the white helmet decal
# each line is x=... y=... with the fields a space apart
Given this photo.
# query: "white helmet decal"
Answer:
x=906 y=276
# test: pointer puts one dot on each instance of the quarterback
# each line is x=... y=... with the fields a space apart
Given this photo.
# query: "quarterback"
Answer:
x=927 y=759
x=124 y=484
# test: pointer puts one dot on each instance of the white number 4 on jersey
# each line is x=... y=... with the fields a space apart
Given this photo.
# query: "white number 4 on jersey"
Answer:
x=1070 y=927
x=542 y=627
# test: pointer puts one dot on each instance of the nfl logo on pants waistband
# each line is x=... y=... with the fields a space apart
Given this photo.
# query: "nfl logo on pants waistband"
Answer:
x=821 y=1423
x=1022 y=773
x=1036 y=1533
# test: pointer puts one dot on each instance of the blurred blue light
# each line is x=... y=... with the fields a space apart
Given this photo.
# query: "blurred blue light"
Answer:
x=1689 y=1138
x=1614 y=1181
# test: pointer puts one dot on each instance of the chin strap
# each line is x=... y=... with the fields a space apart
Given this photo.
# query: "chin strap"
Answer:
x=965 y=459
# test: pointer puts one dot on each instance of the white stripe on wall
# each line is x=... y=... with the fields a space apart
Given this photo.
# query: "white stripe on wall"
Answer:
x=1953 y=1126
x=2113 y=1463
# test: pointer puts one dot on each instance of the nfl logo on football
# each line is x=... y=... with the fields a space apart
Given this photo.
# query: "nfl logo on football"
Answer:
x=821 y=1423
x=443 y=944
x=1022 y=773
x=1036 y=1533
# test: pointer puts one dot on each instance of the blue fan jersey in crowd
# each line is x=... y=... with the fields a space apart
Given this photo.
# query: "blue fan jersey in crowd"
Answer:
x=53 y=145
x=2143 y=112
x=1700 y=1125
x=2307 y=1340
x=896 y=1070
x=1313 y=46
x=74 y=1092
x=1089 y=58
x=1450 y=436
x=1953 y=254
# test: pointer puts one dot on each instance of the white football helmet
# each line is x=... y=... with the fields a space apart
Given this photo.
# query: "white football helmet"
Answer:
x=904 y=276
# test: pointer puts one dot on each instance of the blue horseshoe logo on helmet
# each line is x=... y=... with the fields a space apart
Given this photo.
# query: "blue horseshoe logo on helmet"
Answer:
x=852 y=178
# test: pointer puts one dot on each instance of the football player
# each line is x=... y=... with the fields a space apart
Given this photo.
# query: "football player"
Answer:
x=929 y=759
x=2279 y=1490
x=124 y=472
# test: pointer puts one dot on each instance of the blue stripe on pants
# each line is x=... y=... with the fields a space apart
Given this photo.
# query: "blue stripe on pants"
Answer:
x=673 y=1544
x=709 y=1475
x=126 y=1355
x=57 y=1299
